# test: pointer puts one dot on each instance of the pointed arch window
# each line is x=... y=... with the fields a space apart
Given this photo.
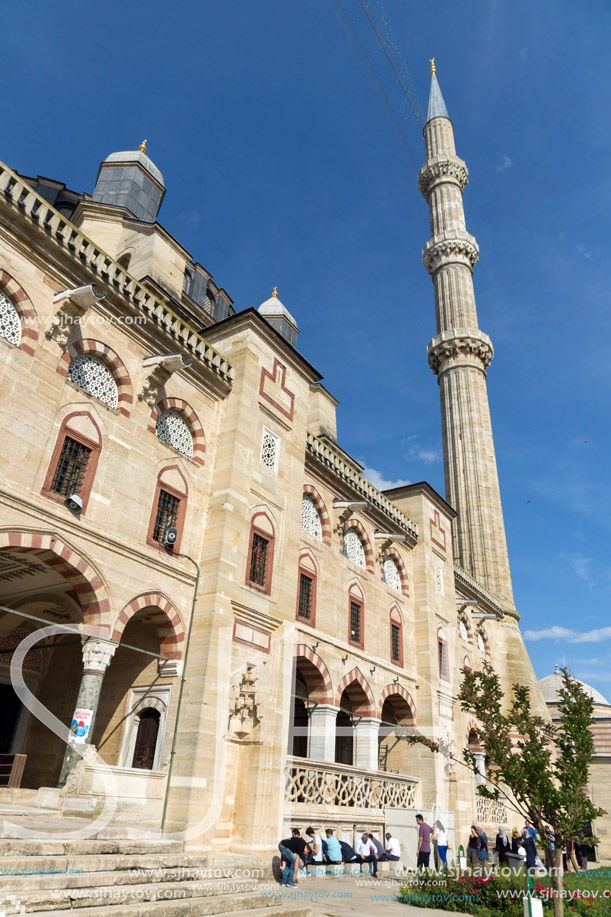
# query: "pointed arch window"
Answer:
x=169 y=508
x=392 y=576
x=353 y=548
x=396 y=637
x=481 y=642
x=442 y=653
x=260 y=553
x=10 y=322
x=310 y=517
x=463 y=633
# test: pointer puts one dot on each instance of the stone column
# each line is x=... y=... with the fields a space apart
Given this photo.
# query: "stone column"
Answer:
x=97 y=655
x=321 y=733
x=366 y=743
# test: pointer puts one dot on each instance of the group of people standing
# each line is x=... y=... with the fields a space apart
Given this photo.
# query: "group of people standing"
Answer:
x=297 y=852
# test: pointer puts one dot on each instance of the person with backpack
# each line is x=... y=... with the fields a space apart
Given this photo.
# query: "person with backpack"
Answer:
x=348 y=854
x=315 y=842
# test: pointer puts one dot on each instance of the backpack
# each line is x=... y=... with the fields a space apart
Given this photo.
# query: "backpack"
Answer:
x=325 y=848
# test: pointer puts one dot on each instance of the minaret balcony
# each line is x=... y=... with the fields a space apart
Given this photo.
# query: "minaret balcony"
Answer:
x=457 y=246
x=442 y=169
x=466 y=346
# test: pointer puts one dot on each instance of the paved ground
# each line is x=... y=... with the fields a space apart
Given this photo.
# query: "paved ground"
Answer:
x=354 y=896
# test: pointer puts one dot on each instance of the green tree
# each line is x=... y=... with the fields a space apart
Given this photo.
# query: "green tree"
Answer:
x=541 y=769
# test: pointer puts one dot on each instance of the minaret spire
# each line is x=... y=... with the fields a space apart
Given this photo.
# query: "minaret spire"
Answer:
x=460 y=355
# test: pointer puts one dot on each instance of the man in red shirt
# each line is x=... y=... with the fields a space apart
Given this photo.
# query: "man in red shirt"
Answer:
x=425 y=836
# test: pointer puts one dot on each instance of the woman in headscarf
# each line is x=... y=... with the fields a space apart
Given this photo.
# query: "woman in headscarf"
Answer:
x=501 y=845
x=515 y=840
x=528 y=842
x=482 y=849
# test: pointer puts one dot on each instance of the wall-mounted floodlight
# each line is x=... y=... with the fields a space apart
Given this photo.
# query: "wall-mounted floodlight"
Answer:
x=171 y=362
x=83 y=297
x=352 y=504
x=390 y=536
x=484 y=616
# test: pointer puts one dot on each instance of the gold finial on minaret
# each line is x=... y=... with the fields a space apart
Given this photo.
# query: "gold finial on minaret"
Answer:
x=433 y=67
x=142 y=147
x=275 y=292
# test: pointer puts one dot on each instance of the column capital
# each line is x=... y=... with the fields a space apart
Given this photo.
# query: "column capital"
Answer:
x=97 y=655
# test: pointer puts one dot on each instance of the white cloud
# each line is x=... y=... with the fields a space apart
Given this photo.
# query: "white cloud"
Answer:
x=506 y=163
x=375 y=477
x=571 y=636
x=585 y=252
x=581 y=567
x=428 y=456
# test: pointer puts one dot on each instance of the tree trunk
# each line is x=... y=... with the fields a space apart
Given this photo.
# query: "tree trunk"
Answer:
x=557 y=882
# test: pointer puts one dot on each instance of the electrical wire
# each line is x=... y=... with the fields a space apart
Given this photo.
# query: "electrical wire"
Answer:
x=371 y=74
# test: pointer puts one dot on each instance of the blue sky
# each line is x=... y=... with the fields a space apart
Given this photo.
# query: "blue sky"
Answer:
x=282 y=169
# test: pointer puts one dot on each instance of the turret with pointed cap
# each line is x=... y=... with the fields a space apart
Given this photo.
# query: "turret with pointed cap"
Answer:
x=279 y=318
x=131 y=179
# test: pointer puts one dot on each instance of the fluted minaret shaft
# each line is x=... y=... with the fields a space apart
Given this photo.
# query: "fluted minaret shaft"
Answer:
x=460 y=355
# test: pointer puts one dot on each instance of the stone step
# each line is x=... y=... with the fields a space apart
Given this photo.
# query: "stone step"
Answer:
x=234 y=906
x=213 y=897
x=80 y=872
x=33 y=848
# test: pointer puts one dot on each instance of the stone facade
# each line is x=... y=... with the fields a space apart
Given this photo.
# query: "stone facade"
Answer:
x=302 y=622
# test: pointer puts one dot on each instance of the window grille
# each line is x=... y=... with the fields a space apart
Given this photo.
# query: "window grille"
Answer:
x=481 y=643
x=395 y=637
x=71 y=468
x=270 y=445
x=310 y=517
x=391 y=574
x=463 y=633
x=94 y=377
x=305 y=596
x=166 y=516
x=258 y=559
x=173 y=429
x=443 y=659
x=355 y=622
x=10 y=323
x=438 y=579
x=353 y=548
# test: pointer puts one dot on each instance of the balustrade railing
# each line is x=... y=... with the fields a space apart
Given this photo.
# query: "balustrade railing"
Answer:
x=319 y=783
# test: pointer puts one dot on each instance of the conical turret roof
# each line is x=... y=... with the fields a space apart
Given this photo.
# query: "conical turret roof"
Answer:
x=437 y=107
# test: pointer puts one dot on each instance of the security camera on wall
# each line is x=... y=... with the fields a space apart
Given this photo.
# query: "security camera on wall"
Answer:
x=170 y=537
x=74 y=503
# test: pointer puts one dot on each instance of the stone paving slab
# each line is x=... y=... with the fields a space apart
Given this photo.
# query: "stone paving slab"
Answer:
x=365 y=897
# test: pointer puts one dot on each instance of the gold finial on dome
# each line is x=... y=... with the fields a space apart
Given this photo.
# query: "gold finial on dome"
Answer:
x=275 y=292
x=142 y=147
x=433 y=67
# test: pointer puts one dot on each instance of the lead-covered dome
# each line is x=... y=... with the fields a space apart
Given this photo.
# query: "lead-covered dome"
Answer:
x=551 y=684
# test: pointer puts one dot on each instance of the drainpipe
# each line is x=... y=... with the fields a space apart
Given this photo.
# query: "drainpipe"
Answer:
x=182 y=687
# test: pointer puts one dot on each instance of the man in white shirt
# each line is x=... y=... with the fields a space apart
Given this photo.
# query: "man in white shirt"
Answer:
x=366 y=853
x=315 y=843
x=393 y=850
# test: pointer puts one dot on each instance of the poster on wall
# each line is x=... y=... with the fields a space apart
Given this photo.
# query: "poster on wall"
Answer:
x=81 y=721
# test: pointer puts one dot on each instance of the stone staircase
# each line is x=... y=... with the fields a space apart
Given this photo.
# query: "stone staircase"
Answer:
x=121 y=878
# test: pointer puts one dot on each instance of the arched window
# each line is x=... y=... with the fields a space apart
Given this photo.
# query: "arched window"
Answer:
x=396 y=637
x=260 y=553
x=94 y=377
x=310 y=517
x=463 y=633
x=75 y=457
x=356 y=618
x=169 y=508
x=481 y=641
x=442 y=651
x=306 y=593
x=353 y=548
x=10 y=322
x=172 y=428
x=390 y=570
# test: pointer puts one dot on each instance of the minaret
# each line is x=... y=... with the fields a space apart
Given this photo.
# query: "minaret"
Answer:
x=460 y=355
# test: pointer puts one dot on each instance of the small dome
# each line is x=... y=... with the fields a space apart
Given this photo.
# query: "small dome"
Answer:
x=139 y=157
x=273 y=308
x=551 y=684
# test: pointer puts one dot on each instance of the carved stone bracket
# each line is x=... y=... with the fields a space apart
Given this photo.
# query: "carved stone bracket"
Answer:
x=442 y=170
x=440 y=250
x=457 y=343
x=73 y=304
x=244 y=717
x=153 y=384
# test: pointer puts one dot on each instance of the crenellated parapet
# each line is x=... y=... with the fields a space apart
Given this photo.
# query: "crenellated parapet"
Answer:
x=442 y=169
x=467 y=345
x=450 y=248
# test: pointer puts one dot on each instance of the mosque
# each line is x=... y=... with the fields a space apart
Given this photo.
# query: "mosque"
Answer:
x=212 y=595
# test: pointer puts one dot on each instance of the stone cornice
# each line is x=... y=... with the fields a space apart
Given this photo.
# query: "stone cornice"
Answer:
x=439 y=170
x=469 y=588
x=466 y=344
x=447 y=248
x=326 y=457
x=22 y=201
